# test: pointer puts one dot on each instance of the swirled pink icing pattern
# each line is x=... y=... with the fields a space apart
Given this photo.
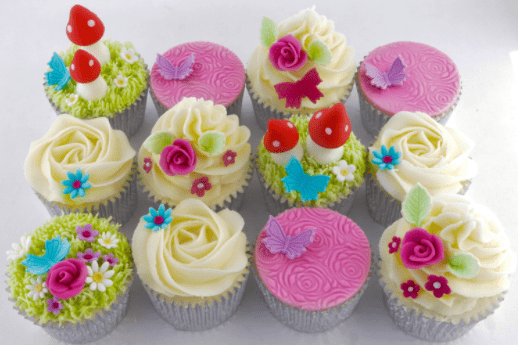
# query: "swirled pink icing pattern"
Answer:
x=334 y=267
x=432 y=87
x=218 y=75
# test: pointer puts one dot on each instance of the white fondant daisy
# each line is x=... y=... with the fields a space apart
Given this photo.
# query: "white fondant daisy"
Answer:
x=128 y=55
x=108 y=240
x=99 y=277
x=344 y=171
x=38 y=288
x=121 y=81
x=71 y=99
x=19 y=250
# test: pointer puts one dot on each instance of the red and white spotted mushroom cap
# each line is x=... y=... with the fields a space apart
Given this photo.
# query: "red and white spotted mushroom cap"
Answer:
x=330 y=127
x=84 y=68
x=281 y=136
x=84 y=27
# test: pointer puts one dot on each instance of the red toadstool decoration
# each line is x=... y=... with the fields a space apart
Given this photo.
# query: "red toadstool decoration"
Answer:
x=328 y=129
x=85 y=70
x=282 y=141
x=85 y=29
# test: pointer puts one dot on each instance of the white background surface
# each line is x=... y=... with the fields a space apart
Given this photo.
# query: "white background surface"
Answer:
x=477 y=35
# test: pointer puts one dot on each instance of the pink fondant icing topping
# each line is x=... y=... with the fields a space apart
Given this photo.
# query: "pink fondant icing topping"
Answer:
x=332 y=270
x=218 y=75
x=432 y=85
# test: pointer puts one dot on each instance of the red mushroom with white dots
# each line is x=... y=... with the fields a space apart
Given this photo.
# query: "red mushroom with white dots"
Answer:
x=85 y=70
x=329 y=129
x=282 y=141
x=85 y=29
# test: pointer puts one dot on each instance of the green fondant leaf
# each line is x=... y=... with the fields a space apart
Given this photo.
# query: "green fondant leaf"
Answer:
x=319 y=53
x=463 y=265
x=416 y=205
x=269 y=32
x=212 y=142
x=158 y=140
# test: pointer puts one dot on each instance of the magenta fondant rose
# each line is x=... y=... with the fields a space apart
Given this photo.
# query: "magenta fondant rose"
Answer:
x=67 y=278
x=178 y=158
x=420 y=248
x=286 y=54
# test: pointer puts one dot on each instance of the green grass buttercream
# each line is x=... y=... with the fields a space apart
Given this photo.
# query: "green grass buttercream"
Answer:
x=354 y=153
x=87 y=302
x=116 y=99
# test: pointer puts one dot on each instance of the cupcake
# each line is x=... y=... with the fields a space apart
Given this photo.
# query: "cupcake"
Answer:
x=311 y=161
x=444 y=266
x=84 y=166
x=72 y=276
x=201 y=70
x=301 y=66
x=97 y=78
x=312 y=266
x=192 y=262
x=406 y=76
x=196 y=150
x=413 y=148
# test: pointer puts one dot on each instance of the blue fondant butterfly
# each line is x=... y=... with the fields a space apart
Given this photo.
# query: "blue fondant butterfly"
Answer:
x=308 y=186
x=55 y=251
x=59 y=74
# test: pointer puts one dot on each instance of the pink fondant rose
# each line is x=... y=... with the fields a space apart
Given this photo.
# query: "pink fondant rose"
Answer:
x=286 y=54
x=67 y=278
x=420 y=248
x=178 y=158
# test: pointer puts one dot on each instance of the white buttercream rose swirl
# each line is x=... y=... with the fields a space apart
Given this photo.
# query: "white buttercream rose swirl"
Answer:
x=431 y=154
x=200 y=253
x=90 y=145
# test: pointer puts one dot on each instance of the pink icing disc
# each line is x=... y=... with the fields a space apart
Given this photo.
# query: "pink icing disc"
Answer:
x=332 y=270
x=432 y=85
x=218 y=75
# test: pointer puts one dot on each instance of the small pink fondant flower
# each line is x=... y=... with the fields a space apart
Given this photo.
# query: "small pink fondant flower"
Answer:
x=438 y=285
x=178 y=158
x=286 y=54
x=110 y=259
x=54 y=305
x=200 y=185
x=89 y=256
x=86 y=233
x=420 y=248
x=410 y=288
x=394 y=245
x=229 y=157
x=147 y=164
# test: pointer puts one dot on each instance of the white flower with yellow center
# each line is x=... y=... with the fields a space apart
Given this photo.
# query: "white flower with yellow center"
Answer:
x=344 y=171
x=71 y=99
x=121 y=81
x=128 y=55
x=38 y=288
x=108 y=240
x=19 y=250
x=99 y=277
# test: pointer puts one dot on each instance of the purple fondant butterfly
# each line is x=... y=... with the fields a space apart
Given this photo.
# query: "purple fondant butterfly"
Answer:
x=171 y=72
x=278 y=242
x=393 y=77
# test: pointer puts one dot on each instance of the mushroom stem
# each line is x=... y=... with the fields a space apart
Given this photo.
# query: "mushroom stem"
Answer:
x=100 y=51
x=92 y=91
x=321 y=154
x=283 y=157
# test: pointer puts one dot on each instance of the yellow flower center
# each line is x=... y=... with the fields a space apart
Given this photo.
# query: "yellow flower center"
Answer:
x=38 y=287
x=107 y=241
x=97 y=277
x=128 y=56
x=344 y=172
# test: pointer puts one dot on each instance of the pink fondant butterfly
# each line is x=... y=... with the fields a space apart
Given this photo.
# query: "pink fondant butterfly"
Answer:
x=171 y=72
x=393 y=77
x=305 y=87
x=278 y=242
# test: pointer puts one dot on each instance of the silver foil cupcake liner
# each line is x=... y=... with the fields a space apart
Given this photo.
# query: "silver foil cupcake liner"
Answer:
x=310 y=321
x=198 y=317
x=263 y=112
x=373 y=120
x=234 y=108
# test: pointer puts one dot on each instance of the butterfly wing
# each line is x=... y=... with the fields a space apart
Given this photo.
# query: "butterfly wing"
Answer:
x=395 y=73
x=185 y=69
x=288 y=91
x=166 y=69
x=312 y=185
x=297 y=243
x=59 y=74
x=56 y=249
x=295 y=175
x=378 y=78
x=276 y=240
x=37 y=265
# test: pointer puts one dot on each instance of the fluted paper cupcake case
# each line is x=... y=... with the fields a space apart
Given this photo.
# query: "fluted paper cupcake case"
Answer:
x=373 y=120
x=310 y=321
x=419 y=326
x=264 y=112
x=120 y=207
x=98 y=326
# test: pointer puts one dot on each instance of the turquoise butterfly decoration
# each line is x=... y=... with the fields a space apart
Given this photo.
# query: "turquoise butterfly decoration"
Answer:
x=59 y=75
x=306 y=185
x=55 y=251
